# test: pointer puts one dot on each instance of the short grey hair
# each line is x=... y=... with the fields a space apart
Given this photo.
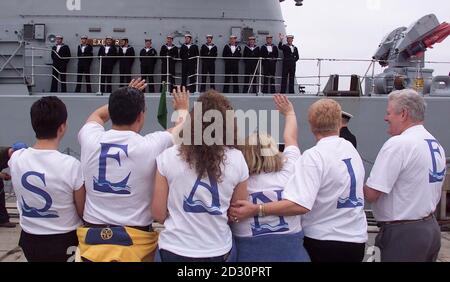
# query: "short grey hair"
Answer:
x=410 y=100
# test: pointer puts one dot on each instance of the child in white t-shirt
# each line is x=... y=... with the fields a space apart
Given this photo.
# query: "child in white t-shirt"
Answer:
x=194 y=187
x=271 y=238
x=49 y=187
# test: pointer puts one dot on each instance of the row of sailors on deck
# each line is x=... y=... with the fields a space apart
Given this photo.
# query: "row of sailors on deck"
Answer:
x=187 y=53
x=225 y=202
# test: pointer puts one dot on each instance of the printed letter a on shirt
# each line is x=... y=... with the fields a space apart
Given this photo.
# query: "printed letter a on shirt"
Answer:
x=102 y=184
x=197 y=205
x=29 y=211
x=435 y=175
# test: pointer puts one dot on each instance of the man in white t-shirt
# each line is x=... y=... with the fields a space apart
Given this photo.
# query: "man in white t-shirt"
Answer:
x=405 y=183
x=327 y=187
x=119 y=167
x=48 y=186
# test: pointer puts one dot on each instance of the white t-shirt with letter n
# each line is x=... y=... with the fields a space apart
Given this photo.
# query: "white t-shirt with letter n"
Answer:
x=409 y=170
x=265 y=188
x=197 y=224
x=44 y=182
x=119 y=171
x=328 y=181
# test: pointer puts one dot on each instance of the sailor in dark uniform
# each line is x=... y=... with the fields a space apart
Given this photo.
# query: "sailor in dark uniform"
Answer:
x=148 y=64
x=59 y=52
x=208 y=50
x=345 y=132
x=251 y=51
x=269 y=52
x=84 y=64
x=188 y=54
x=108 y=53
x=126 y=63
x=290 y=57
x=233 y=51
x=172 y=51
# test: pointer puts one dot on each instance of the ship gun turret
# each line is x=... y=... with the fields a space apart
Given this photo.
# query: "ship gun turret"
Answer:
x=402 y=51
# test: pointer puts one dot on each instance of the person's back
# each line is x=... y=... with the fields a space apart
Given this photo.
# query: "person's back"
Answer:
x=119 y=168
x=416 y=145
x=195 y=186
x=405 y=183
x=44 y=191
x=197 y=222
x=270 y=237
x=48 y=186
x=339 y=206
x=268 y=187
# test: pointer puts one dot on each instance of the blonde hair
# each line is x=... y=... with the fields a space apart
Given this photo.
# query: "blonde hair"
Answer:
x=324 y=116
x=261 y=154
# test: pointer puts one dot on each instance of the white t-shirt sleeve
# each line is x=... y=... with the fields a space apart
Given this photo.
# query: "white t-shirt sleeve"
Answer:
x=89 y=131
x=291 y=155
x=76 y=176
x=303 y=187
x=161 y=140
x=243 y=168
x=387 y=167
x=160 y=164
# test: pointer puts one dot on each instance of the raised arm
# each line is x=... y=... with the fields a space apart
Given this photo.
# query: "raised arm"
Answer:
x=290 y=128
x=180 y=104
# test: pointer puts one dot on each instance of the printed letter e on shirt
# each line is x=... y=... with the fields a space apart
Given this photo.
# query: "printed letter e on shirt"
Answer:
x=29 y=211
x=435 y=175
x=102 y=184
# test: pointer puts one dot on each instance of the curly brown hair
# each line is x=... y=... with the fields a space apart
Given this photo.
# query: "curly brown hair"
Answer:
x=207 y=159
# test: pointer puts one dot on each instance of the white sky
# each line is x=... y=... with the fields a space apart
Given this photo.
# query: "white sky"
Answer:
x=354 y=28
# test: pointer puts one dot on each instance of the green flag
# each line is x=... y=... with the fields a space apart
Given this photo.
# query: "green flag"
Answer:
x=162 y=109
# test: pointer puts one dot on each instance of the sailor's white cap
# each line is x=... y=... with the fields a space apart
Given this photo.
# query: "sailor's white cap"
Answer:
x=209 y=35
x=188 y=35
x=169 y=36
x=233 y=36
x=59 y=36
x=84 y=37
x=269 y=36
x=289 y=36
x=252 y=38
x=346 y=115
x=109 y=37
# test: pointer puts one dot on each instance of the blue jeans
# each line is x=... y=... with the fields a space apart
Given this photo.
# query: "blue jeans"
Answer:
x=271 y=248
x=166 y=256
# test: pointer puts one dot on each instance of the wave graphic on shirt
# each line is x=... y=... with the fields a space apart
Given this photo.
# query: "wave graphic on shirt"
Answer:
x=28 y=211
x=198 y=206
x=349 y=203
x=267 y=228
x=436 y=176
x=107 y=187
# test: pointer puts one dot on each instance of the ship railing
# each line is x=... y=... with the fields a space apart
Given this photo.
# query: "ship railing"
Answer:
x=256 y=78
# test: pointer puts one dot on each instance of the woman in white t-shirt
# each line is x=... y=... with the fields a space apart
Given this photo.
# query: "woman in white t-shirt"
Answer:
x=271 y=238
x=327 y=189
x=195 y=185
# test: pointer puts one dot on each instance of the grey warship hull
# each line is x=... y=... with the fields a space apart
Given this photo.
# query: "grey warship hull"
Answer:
x=34 y=24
